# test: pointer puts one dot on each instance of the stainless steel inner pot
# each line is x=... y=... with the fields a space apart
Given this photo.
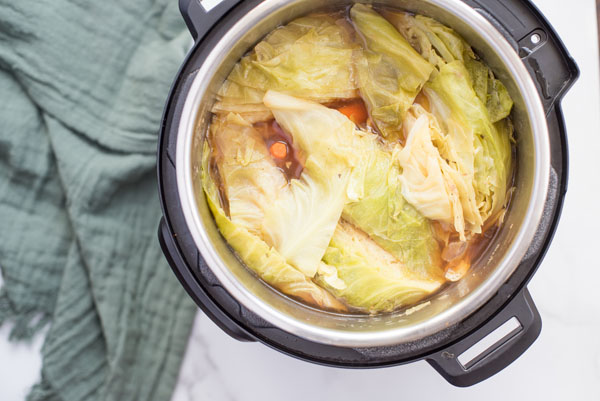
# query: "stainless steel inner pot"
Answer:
x=449 y=306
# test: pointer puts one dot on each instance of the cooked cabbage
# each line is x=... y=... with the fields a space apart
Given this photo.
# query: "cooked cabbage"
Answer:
x=310 y=57
x=265 y=261
x=297 y=219
x=380 y=210
x=301 y=221
x=455 y=143
x=472 y=136
x=372 y=280
x=390 y=72
x=428 y=182
x=251 y=180
x=440 y=45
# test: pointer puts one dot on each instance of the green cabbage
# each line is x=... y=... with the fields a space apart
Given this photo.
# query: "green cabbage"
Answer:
x=310 y=57
x=474 y=143
x=440 y=45
x=250 y=179
x=379 y=209
x=301 y=221
x=390 y=72
x=429 y=183
x=498 y=101
x=370 y=278
x=265 y=261
x=414 y=34
x=372 y=193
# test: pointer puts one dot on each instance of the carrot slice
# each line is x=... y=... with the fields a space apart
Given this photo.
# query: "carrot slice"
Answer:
x=355 y=111
x=457 y=269
x=278 y=150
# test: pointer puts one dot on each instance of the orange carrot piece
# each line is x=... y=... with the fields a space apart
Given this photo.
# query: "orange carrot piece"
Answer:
x=455 y=271
x=278 y=150
x=355 y=111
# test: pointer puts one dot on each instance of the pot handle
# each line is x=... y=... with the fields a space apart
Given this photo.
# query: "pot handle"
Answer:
x=201 y=15
x=193 y=288
x=493 y=347
x=545 y=56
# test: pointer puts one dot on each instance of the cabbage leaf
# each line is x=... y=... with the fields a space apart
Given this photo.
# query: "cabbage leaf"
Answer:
x=372 y=279
x=265 y=261
x=456 y=144
x=378 y=208
x=390 y=72
x=472 y=136
x=441 y=45
x=301 y=221
x=428 y=181
x=250 y=179
x=311 y=57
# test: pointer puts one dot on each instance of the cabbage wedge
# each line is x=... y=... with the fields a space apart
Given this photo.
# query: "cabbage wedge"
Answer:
x=429 y=183
x=310 y=57
x=367 y=277
x=390 y=72
x=250 y=179
x=301 y=221
x=377 y=207
x=441 y=45
x=297 y=218
x=265 y=261
x=479 y=149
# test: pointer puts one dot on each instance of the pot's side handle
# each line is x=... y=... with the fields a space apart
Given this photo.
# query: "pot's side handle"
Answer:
x=542 y=51
x=493 y=347
x=201 y=15
x=193 y=288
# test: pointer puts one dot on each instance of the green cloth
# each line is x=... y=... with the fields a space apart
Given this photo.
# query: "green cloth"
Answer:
x=82 y=86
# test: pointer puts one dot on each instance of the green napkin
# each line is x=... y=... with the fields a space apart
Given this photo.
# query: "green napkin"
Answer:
x=82 y=86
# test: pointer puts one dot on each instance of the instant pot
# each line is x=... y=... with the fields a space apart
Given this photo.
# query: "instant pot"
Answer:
x=450 y=330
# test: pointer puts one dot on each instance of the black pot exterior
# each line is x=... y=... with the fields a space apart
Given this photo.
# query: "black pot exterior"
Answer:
x=553 y=71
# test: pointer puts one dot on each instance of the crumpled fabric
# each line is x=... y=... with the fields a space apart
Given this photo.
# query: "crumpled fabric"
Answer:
x=82 y=87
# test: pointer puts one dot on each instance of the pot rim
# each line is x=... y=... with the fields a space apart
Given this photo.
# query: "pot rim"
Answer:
x=454 y=314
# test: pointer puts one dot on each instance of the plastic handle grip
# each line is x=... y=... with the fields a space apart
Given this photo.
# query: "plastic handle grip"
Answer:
x=543 y=53
x=198 y=20
x=500 y=354
x=193 y=288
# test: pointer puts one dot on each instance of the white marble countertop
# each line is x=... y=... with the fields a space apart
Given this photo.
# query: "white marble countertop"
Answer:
x=563 y=364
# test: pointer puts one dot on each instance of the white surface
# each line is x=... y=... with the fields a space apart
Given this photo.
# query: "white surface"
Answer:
x=19 y=364
x=563 y=364
x=502 y=334
x=209 y=4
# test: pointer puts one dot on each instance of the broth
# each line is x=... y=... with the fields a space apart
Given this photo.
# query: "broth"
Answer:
x=293 y=162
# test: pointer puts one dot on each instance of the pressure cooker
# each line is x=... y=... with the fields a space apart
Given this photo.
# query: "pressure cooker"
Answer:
x=452 y=331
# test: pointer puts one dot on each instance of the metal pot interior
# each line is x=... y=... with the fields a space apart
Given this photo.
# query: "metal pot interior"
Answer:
x=454 y=302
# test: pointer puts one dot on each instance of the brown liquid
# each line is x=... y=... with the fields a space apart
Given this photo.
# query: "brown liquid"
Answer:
x=423 y=101
x=293 y=164
x=213 y=171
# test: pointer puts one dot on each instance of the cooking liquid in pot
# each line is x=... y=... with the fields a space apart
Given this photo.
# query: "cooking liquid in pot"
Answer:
x=453 y=252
